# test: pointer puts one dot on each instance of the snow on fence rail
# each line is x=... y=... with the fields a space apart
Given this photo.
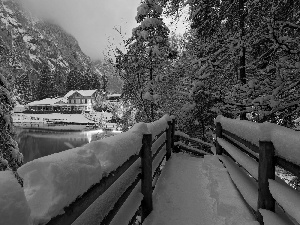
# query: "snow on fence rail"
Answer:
x=258 y=148
x=61 y=188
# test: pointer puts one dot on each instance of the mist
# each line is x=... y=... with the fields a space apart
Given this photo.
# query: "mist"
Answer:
x=91 y=22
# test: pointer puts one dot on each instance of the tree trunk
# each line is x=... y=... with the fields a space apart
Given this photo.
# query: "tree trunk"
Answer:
x=242 y=56
x=151 y=90
x=243 y=48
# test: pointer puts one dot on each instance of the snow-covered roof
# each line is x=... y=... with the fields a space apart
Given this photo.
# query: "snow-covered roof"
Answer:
x=82 y=92
x=48 y=101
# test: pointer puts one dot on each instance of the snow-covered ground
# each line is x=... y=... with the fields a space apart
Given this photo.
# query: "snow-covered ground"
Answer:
x=197 y=191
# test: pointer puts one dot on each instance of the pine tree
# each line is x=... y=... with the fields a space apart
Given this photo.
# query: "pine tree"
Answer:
x=10 y=157
x=46 y=84
x=148 y=49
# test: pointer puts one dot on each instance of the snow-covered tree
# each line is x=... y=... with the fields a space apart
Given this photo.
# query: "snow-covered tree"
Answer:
x=250 y=51
x=10 y=157
x=147 y=50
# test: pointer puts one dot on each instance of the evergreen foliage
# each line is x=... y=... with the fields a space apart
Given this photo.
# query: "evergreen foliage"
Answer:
x=247 y=52
x=141 y=66
x=10 y=157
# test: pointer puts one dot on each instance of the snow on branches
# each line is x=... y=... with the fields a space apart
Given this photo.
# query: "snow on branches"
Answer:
x=10 y=157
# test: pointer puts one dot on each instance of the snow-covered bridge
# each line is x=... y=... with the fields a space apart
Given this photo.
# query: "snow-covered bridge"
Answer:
x=116 y=180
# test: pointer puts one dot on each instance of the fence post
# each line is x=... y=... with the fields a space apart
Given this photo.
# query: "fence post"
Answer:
x=219 y=149
x=146 y=185
x=168 y=140
x=266 y=171
x=173 y=133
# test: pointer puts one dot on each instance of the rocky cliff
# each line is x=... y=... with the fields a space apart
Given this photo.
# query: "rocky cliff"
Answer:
x=41 y=59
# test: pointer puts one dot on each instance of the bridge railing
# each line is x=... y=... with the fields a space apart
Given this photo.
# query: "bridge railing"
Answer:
x=184 y=142
x=124 y=184
x=250 y=152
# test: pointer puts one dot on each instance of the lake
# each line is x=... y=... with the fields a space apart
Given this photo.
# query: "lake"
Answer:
x=35 y=143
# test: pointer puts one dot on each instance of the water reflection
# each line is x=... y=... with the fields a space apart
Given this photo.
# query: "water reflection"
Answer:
x=34 y=143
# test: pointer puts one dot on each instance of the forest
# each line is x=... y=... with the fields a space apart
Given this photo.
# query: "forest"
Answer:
x=239 y=59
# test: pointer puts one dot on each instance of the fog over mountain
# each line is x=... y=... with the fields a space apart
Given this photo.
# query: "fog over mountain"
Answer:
x=91 y=22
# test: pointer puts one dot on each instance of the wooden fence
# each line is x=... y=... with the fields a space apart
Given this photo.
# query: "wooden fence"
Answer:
x=259 y=162
x=183 y=146
x=150 y=160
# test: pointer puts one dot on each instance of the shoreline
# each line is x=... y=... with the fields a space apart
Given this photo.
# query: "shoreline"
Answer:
x=58 y=128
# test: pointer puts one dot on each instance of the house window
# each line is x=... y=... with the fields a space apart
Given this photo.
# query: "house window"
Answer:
x=78 y=101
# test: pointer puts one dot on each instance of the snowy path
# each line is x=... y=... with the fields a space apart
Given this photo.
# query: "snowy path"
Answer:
x=194 y=191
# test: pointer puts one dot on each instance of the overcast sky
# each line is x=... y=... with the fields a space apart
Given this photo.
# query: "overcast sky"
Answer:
x=91 y=22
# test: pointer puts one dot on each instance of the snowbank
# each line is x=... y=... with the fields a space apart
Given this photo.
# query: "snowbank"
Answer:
x=14 y=207
x=55 y=181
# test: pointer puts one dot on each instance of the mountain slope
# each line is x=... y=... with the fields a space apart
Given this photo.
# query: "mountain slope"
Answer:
x=36 y=53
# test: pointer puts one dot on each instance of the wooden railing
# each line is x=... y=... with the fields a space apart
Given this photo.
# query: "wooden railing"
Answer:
x=202 y=148
x=258 y=161
x=148 y=160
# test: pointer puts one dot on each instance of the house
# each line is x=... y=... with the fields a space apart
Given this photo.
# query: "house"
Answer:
x=82 y=99
x=75 y=100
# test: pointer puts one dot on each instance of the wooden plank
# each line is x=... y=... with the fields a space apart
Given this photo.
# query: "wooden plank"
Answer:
x=157 y=136
x=289 y=166
x=248 y=144
x=219 y=149
x=109 y=217
x=173 y=133
x=75 y=209
x=236 y=188
x=168 y=141
x=146 y=186
x=233 y=159
x=247 y=162
x=156 y=167
x=158 y=150
x=240 y=148
x=266 y=171
x=204 y=146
